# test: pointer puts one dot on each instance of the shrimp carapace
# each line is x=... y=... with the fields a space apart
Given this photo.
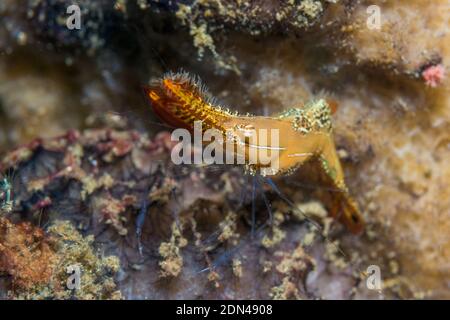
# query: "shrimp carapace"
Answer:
x=301 y=135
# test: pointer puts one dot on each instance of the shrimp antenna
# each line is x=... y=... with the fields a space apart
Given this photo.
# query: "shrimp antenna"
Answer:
x=266 y=202
x=253 y=206
x=314 y=223
x=227 y=255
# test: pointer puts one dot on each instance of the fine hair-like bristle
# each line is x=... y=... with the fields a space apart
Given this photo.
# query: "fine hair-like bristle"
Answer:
x=179 y=99
x=194 y=82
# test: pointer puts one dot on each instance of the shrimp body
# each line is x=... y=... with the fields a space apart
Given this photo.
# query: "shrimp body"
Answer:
x=303 y=134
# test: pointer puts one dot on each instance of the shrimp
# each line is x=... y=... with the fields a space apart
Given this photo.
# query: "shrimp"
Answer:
x=305 y=134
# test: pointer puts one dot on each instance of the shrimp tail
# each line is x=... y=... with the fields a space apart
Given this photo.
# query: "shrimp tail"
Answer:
x=347 y=212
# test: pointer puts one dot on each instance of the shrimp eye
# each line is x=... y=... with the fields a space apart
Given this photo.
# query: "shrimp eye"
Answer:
x=355 y=218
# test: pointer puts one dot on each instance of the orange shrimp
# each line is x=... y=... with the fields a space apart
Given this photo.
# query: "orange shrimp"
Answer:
x=304 y=134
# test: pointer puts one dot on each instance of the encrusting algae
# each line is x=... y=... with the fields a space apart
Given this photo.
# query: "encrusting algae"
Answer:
x=38 y=263
x=171 y=253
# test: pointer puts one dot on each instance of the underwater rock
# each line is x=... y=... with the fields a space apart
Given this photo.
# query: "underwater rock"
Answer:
x=179 y=232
